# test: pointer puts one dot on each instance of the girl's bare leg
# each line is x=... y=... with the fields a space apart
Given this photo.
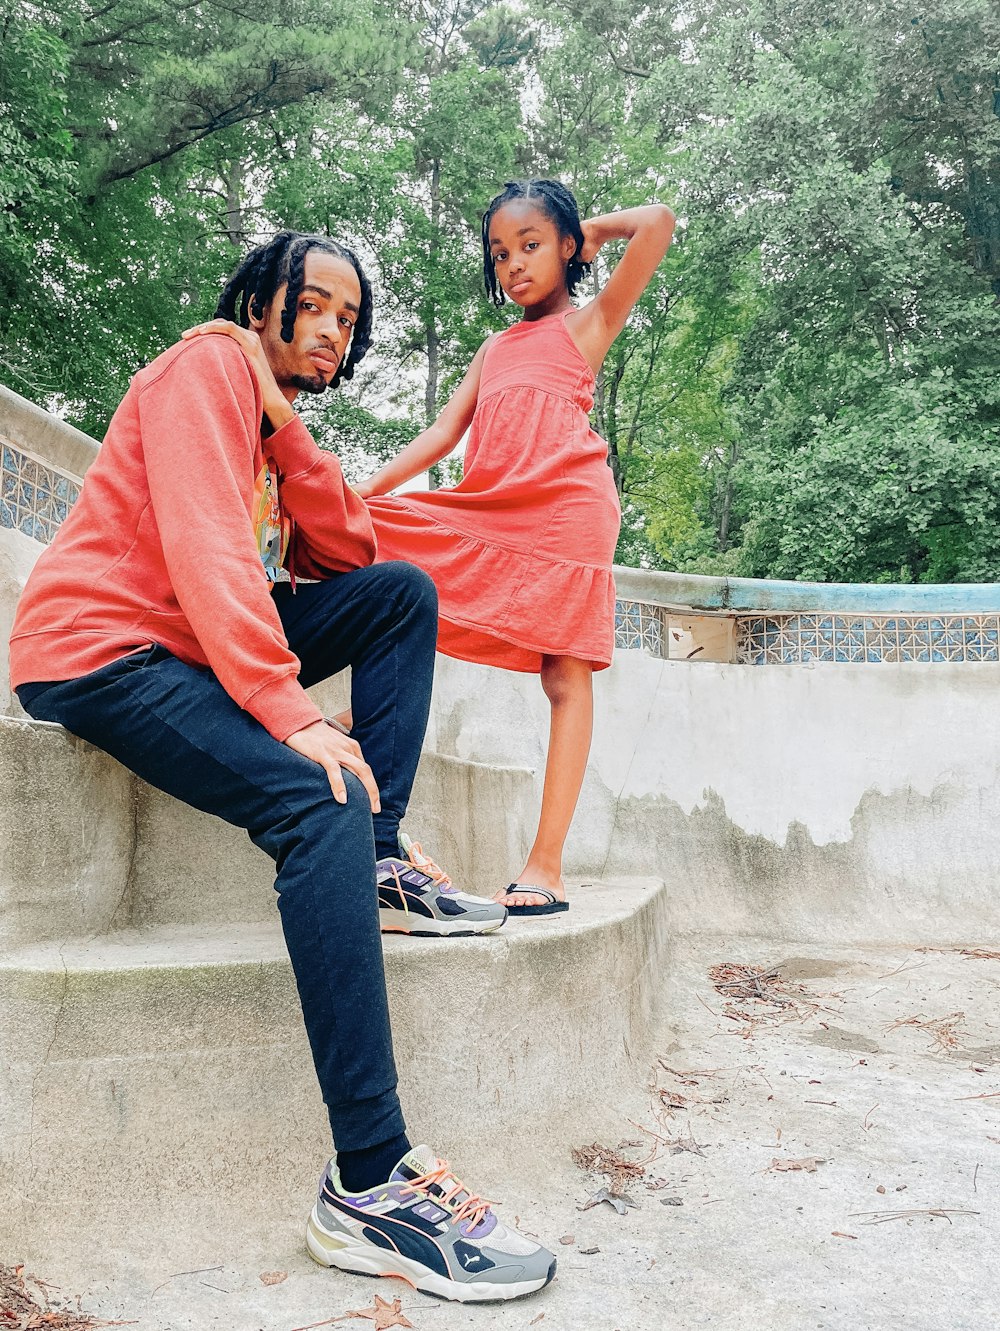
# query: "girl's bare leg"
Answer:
x=569 y=687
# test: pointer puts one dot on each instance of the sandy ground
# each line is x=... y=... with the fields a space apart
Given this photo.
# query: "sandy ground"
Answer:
x=828 y=1160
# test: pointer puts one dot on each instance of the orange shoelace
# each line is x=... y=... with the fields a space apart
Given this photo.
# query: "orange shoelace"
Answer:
x=418 y=860
x=473 y=1209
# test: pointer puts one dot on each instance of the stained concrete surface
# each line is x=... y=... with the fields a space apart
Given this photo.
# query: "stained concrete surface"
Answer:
x=884 y=1068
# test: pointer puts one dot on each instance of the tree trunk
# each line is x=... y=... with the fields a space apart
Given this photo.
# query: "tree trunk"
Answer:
x=726 y=506
x=233 y=184
x=431 y=336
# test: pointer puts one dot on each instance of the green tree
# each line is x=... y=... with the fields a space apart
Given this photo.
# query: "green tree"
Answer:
x=148 y=148
x=850 y=152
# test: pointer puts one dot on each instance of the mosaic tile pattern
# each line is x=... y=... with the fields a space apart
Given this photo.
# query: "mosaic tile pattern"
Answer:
x=770 y=639
x=34 y=498
x=640 y=625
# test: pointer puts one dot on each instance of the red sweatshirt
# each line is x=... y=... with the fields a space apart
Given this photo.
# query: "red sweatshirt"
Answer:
x=161 y=546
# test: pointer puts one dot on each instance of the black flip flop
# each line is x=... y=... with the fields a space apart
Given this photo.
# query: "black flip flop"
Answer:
x=550 y=906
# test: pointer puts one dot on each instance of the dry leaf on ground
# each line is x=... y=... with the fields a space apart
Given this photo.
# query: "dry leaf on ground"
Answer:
x=680 y=1145
x=384 y=1315
x=273 y=1277
x=808 y=1163
x=620 y=1201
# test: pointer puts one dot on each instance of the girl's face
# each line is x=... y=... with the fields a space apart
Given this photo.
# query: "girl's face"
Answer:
x=530 y=254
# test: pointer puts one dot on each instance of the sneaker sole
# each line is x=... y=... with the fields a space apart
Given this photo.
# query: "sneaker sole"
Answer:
x=366 y=1260
x=398 y=922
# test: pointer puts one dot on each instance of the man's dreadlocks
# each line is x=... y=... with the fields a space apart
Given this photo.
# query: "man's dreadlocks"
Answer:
x=282 y=260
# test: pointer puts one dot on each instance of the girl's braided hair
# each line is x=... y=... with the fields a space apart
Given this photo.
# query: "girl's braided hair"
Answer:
x=558 y=203
x=283 y=259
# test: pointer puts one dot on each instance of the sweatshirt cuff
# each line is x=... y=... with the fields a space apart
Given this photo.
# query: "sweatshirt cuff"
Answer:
x=283 y=707
x=293 y=448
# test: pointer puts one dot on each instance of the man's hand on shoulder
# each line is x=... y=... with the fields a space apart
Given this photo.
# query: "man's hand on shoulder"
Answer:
x=327 y=746
x=277 y=408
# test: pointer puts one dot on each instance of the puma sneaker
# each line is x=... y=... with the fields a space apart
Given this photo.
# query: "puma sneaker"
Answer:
x=417 y=897
x=425 y=1227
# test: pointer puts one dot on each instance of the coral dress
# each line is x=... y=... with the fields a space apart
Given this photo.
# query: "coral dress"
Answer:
x=521 y=550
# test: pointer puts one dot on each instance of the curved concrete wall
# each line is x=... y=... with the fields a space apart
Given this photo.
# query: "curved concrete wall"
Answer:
x=851 y=801
x=848 y=802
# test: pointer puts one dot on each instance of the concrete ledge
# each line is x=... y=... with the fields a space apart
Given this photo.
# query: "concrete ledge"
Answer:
x=776 y=597
x=172 y=1064
x=85 y=847
x=66 y=834
x=692 y=591
x=28 y=426
x=190 y=867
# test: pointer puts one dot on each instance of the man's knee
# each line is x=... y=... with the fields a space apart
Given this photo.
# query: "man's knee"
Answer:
x=311 y=810
x=411 y=587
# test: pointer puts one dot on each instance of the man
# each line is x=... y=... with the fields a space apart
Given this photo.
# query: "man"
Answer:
x=155 y=627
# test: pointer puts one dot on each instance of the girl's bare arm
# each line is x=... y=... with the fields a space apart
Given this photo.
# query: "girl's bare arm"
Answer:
x=434 y=443
x=648 y=231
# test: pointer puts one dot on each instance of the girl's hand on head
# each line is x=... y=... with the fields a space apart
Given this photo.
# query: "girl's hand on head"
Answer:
x=648 y=230
x=592 y=242
x=246 y=337
x=276 y=405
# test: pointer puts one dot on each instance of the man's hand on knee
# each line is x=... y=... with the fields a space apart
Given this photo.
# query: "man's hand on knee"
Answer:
x=332 y=750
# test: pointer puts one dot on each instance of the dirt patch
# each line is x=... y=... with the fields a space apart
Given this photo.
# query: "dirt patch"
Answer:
x=835 y=1037
x=817 y=968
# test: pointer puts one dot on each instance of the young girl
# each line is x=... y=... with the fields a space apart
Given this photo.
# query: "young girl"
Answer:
x=521 y=550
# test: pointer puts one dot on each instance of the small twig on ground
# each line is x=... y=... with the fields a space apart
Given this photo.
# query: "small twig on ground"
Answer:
x=770 y=996
x=903 y=966
x=882 y=1217
x=942 y=1029
x=986 y=1095
x=973 y=953
x=202 y=1271
x=693 y=1075
x=21 y=1311
x=619 y=1171
x=866 y=1125
x=649 y=1133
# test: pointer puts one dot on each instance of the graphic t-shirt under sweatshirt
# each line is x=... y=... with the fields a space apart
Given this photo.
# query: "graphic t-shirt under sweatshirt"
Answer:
x=165 y=543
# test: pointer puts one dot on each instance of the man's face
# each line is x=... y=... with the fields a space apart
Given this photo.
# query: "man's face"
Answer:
x=327 y=312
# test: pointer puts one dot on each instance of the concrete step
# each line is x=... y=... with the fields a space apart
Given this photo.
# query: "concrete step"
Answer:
x=86 y=848
x=166 y=1070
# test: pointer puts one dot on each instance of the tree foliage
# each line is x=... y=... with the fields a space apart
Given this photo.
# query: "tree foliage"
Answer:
x=807 y=389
